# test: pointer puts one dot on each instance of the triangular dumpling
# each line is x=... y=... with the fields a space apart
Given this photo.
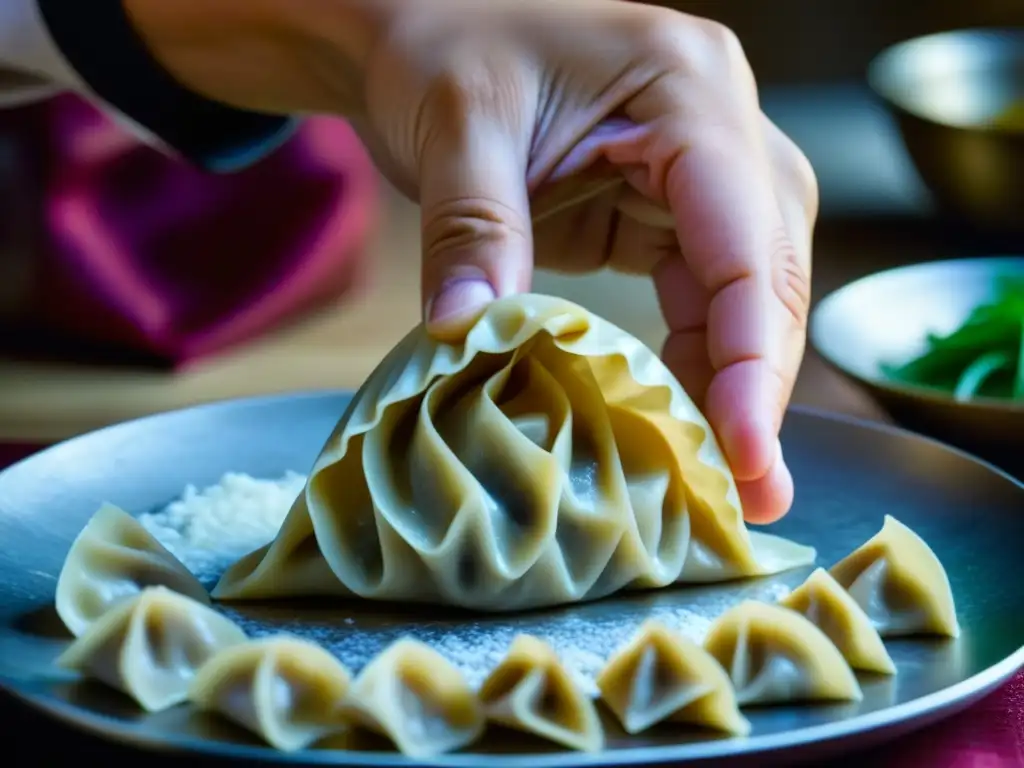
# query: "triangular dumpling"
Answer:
x=113 y=558
x=776 y=656
x=660 y=675
x=285 y=690
x=414 y=696
x=150 y=646
x=900 y=583
x=531 y=691
x=822 y=600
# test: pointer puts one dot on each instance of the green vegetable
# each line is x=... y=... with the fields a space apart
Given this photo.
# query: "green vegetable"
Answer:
x=984 y=357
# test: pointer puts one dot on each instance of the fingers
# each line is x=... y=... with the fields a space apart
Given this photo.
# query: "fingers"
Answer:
x=768 y=498
x=730 y=231
x=475 y=218
x=796 y=190
x=709 y=160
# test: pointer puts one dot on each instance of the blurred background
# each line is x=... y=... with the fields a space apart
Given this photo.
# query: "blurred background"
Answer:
x=101 y=327
x=808 y=42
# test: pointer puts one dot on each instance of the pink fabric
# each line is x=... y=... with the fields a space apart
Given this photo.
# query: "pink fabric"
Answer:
x=988 y=735
x=119 y=245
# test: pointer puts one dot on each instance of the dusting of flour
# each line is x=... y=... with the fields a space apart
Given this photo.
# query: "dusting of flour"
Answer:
x=209 y=529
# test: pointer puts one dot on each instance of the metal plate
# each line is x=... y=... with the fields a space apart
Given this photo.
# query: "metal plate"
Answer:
x=848 y=475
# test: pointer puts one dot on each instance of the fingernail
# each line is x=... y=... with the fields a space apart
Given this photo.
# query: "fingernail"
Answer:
x=459 y=301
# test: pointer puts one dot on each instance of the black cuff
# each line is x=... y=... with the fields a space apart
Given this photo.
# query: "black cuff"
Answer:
x=102 y=46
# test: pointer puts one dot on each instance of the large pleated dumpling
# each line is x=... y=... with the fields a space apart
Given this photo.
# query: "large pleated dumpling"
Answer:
x=548 y=458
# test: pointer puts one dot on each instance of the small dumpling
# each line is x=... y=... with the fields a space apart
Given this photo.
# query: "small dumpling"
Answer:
x=822 y=600
x=150 y=646
x=414 y=696
x=900 y=583
x=774 y=655
x=546 y=458
x=531 y=691
x=660 y=676
x=285 y=690
x=113 y=558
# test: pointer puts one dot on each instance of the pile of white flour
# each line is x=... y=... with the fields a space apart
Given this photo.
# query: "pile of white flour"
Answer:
x=210 y=529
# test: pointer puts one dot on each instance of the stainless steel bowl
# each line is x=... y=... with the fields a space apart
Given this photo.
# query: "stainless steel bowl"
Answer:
x=885 y=318
x=948 y=92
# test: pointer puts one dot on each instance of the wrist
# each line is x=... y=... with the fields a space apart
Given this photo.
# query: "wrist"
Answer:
x=277 y=56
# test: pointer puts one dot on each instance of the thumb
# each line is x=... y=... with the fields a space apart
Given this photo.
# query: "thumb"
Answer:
x=476 y=229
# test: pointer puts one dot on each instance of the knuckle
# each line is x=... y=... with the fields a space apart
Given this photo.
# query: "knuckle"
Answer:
x=451 y=95
x=792 y=282
x=460 y=223
x=722 y=39
x=700 y=48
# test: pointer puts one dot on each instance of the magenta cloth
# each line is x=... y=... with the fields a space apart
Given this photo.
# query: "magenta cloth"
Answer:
x=106 y=240
x=988 y=735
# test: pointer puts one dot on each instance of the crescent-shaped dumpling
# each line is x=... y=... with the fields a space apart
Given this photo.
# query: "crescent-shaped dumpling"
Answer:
x=114 y=558
x=660 y=676
x=899 y=582
x=822 y=600
x=777 y=656
x=531 y=691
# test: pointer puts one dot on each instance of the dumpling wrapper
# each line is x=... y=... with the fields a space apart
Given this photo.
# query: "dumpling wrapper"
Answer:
x=285 y=690
x=150 y=646
x=531 y=691
x=900 y=583
x=830 y=608
x=660 y=676
x=549 y=458
x=417 y=698
x=114 y=558
x=774 y=655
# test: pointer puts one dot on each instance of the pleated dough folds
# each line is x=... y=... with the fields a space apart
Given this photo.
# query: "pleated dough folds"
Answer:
x=660 y=676
x=549 y=458
x=774 y=655
x=285 y=690
x=114 y=558
x=822 y=600
x=531 y=691
x=150 y=646
x=411 y=694
x=900 y=583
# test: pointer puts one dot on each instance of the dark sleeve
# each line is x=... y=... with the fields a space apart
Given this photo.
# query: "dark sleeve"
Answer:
x=101 y=45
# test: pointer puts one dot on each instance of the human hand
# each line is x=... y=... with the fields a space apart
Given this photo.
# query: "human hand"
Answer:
x=475 y=108
x=493 y=114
